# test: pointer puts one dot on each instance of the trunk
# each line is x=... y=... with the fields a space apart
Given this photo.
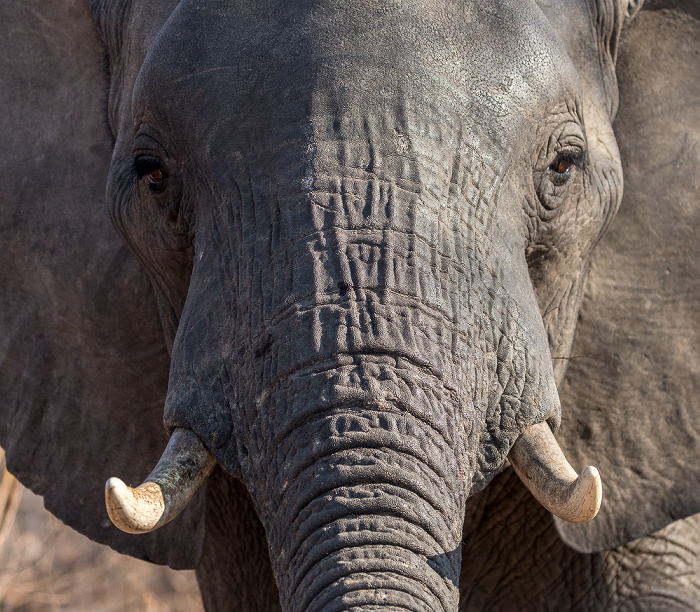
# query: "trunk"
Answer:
x=367 y=509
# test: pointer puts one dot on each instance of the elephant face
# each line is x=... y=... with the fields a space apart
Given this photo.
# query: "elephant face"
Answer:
x=339 y=221
x=367 y=228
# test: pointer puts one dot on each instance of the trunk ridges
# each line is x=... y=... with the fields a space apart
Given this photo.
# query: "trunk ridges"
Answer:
x=366 y=569
x=361 y=518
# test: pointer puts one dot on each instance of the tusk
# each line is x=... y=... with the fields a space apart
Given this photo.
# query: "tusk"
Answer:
x=541 y=465
x=183 y=468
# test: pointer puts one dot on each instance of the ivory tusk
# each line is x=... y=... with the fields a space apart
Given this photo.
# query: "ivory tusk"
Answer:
x=183 y=468
x=540 y=463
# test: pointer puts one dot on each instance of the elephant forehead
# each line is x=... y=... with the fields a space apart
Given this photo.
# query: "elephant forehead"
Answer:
x=498 y=59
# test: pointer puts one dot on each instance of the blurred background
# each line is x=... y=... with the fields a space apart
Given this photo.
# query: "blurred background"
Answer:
x=46 y=566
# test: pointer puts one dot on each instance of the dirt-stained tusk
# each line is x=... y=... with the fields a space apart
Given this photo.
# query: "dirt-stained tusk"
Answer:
x=541 y=465
x=183 y=468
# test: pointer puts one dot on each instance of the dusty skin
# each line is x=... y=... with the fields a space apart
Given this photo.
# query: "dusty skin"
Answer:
x=354 y=252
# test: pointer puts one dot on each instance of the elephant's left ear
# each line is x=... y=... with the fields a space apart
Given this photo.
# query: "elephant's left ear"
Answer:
x=631 y=397
x=83 y=362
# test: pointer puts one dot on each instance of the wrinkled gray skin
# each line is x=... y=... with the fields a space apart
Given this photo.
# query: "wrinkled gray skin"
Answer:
x=367 y=226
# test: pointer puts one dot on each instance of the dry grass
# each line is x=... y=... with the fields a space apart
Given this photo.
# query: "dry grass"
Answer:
x=47 y=567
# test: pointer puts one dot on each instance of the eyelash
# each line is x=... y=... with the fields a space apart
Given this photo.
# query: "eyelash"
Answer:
x=574 y=158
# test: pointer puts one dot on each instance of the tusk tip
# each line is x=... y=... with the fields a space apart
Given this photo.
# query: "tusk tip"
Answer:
x=116 y=487
x=592 y=474
x=590 y=491
x=541 y=465
x=134 y=510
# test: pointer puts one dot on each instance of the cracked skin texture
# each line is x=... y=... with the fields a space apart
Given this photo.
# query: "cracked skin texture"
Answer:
x=418 y=249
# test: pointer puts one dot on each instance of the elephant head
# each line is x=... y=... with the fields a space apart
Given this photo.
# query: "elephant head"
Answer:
x=366 y=228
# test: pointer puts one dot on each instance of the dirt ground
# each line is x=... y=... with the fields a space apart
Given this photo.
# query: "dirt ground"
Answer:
x=47 y=567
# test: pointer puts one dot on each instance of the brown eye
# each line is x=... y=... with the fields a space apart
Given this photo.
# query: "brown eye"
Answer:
x=152 y=169
x=155 y=176
x=561 y=166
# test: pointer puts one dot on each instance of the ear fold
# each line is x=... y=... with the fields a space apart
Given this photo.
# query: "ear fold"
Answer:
x=631 y=397
x=83 y=363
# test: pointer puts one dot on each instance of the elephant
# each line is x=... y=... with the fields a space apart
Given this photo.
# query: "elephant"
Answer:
x=359 y=280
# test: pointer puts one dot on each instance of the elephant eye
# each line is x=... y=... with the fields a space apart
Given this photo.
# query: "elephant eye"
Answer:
x=151 y=168
x=561 y=166
x=561 y=169
x=156 y=176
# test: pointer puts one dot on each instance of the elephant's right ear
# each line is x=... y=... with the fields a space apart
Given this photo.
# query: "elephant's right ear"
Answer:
x=631 y=397
x=83 y=362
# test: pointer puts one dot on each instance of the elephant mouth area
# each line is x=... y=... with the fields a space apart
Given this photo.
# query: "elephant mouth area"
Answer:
x=369 y=398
